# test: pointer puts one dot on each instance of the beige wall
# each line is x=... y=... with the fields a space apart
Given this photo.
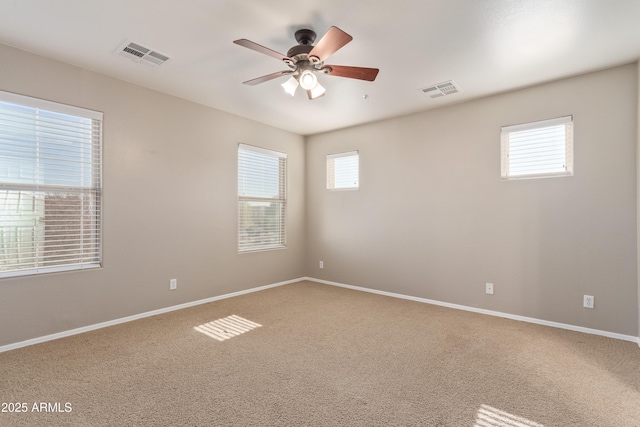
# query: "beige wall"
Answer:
x=433 y=219
x=169 y=205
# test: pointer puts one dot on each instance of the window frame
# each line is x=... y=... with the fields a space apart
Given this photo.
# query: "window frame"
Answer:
x=93 y=189
x=330 y=170
x=280 y=199
x=505 y=147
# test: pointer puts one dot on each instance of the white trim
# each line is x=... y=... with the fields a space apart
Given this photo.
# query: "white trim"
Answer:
x=483 y=311
x=45 y=270
x=346 y=154
x=43 y=104
x=537 y=175
x=93 y=327
x=539 y=124
x=261 y=150
x=253 y=249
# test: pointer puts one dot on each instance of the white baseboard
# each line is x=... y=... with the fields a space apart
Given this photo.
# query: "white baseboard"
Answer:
x=483 y=311
x=326 y=282
x=138 y=316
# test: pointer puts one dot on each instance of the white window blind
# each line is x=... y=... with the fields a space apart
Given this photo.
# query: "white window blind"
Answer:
x=343 y=171
x=50 y=186
x=262 y=198
x=538 y=149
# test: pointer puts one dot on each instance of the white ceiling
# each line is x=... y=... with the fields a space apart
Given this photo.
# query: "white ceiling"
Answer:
x=485 y=46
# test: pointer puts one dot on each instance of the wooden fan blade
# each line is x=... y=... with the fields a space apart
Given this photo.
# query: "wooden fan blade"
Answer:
x=259 y=48
x=329 y=44
x=266 y=78
x=360 y=73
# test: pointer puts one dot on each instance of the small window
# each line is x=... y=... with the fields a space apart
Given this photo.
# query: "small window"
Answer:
x=50 y=186
x=538 y=149
x=262 y=198
x=343 y=171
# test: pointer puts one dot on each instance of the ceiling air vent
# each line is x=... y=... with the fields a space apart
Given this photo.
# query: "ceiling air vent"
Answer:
x=141 y=54
x=441 y=89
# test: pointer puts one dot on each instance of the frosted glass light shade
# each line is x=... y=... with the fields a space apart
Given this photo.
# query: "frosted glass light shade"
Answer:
x=308 y=80
x=290 y=86
x=317 y=91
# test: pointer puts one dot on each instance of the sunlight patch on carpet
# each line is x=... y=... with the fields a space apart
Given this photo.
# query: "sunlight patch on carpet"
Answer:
x=488 y=416
x=227 y=327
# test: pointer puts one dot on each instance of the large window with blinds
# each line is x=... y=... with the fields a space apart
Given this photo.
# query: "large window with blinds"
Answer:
x=538 y=149
x=262 y=198
x=50 y=186
x=343 y=171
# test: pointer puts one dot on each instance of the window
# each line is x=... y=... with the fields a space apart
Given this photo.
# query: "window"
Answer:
x=538 y=149
x=50 y=190
x=262 y=198
x=342 y=171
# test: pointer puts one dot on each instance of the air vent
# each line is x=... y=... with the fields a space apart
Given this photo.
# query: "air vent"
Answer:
x=141 y=55
x=441 y=89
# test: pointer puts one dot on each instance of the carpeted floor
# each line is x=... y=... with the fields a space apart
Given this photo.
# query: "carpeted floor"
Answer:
x=324 y=356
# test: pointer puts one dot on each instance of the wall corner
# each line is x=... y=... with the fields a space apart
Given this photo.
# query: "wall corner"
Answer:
x=638 y=189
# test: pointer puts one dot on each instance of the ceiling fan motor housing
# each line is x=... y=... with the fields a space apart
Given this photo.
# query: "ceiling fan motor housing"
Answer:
x=305 y=37
x=300 y=59
x=299 y=53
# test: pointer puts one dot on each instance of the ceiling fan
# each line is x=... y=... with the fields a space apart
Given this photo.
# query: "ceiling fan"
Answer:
x=306 y=60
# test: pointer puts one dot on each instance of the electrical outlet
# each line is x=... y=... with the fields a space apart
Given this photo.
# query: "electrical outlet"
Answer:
x=173 y=284
x=589 y=301
x=321 y=264
x=489 y=288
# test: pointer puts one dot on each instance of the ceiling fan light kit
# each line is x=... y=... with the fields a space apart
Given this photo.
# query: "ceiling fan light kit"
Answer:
x=308 y=80
x=306 y=60
x=290 y=86
x=316 y=92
